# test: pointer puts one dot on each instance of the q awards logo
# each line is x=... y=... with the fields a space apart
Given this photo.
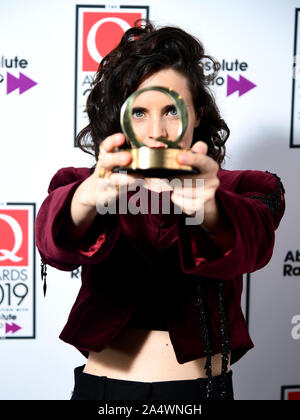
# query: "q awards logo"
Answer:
x=17 y=271
x=98 y=30
x=295 y=112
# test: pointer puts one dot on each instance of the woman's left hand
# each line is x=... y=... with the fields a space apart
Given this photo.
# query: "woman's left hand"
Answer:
x=189 y=197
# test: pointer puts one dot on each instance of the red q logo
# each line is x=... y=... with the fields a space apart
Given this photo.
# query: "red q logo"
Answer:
x=101 y=33
x=13 y=237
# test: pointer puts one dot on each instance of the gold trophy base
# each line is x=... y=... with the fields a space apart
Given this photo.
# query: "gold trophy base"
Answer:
x=156 y=163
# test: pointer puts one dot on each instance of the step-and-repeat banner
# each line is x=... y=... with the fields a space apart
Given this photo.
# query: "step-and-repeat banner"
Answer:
x=49 y=52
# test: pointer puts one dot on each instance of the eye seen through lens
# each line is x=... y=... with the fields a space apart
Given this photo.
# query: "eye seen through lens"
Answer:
x=154 y=117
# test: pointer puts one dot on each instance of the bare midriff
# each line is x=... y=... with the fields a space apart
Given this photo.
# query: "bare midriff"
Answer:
x=138 y=354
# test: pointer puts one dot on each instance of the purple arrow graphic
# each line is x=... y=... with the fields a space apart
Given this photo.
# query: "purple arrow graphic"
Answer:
x=242 y=86
x=13 y=327
x=22 y=83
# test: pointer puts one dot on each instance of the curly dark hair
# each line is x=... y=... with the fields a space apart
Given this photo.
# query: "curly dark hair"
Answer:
x=142 y=51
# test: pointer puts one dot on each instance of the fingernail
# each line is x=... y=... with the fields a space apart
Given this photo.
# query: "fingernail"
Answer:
x=119 y=139
x=183 y=157
x=124 y=158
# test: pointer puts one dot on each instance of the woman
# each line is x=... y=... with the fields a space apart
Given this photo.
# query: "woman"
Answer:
x=158 y=315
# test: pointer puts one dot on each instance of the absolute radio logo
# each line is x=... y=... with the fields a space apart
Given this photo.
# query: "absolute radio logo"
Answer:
x=291 y=264
x=10 y=81
x=98 y=30
x=237 y=83
x=17 y=270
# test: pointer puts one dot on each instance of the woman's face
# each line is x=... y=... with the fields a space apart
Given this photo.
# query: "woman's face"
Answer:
x=154 y=114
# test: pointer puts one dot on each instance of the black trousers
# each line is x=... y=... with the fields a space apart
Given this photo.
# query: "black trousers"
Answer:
x=101 y=388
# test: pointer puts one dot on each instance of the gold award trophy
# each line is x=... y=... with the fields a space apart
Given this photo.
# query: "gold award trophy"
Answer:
x=154 y=161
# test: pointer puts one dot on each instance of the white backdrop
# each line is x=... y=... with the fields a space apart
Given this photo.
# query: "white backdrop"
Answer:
x=37 y=135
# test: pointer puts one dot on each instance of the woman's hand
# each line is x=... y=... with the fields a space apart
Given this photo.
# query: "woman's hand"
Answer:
x=99 y=189
x=192 y=198
x=103 y=186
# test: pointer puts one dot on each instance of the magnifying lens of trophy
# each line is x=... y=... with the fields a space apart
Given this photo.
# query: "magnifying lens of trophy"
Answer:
x=154 y=120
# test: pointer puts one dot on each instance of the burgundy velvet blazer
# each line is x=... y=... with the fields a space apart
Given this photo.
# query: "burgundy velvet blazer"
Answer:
x=123 y=255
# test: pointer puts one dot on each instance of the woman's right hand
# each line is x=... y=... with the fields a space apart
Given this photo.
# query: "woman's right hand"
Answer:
x=96 y=191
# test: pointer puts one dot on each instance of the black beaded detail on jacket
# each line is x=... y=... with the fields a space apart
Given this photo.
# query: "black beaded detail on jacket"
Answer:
x=204 y=325
x=225 y=338
x=44 y=276
x=203 y=314
x=272 y=200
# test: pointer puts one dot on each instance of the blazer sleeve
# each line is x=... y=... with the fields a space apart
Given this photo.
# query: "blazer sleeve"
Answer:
x=55 y=212
x=253 y=211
